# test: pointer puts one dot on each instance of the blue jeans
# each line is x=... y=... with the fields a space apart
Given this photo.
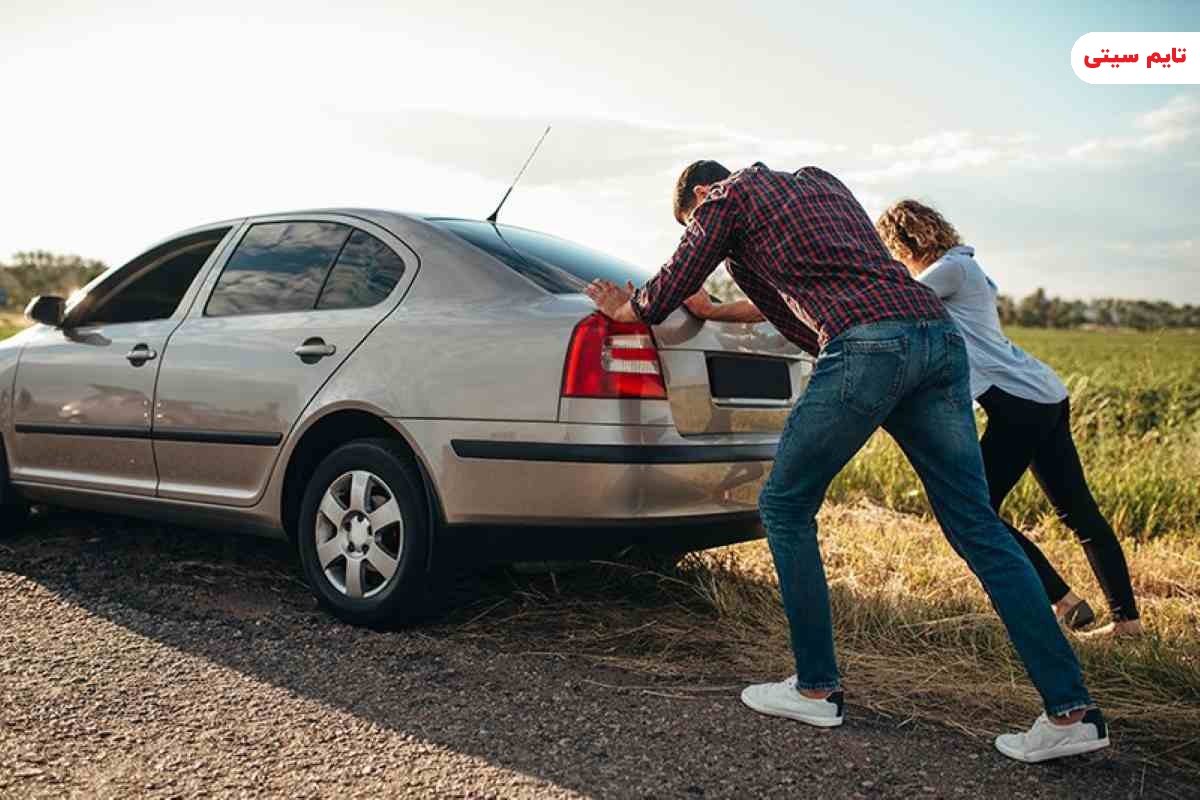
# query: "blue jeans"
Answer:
x=911 y=379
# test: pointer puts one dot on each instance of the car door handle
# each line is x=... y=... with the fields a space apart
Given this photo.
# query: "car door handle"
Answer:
x=315 y=349
x=140 y=354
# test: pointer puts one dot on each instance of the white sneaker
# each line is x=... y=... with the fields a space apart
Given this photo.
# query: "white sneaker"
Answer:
x=783 y=700
x=1045 y=740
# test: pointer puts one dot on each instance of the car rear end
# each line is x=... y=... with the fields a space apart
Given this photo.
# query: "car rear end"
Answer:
x=671 y=426
x=706 y=402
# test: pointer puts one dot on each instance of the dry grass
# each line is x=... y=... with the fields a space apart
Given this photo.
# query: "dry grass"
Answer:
x=918 y=639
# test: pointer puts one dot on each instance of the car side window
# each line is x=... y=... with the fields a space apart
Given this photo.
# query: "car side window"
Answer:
x=278 y=267
x=365 y=274
x=158 y=290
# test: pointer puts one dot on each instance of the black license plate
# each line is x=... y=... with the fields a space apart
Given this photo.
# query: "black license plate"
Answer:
x=749 y=378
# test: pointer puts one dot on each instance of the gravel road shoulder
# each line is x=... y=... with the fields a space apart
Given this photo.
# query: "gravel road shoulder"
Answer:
x=136 y=661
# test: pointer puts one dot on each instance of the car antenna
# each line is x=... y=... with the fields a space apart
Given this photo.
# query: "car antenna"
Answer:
x=532 y=153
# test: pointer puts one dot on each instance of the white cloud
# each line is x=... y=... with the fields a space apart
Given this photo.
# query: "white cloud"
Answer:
x=1087 y=270
x=950 y=151
x=1155 y=251
x=925 y=146
x=1154 y=131
x=1180 y=111
x=1158 y=130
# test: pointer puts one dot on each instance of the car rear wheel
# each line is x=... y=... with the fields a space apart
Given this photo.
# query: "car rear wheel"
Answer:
x=364 y=534
x=13 y=517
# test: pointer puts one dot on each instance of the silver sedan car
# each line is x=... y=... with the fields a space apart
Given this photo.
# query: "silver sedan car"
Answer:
x=387 y=390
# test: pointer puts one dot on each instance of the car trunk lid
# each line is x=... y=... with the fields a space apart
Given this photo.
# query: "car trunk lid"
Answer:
x=724 y=377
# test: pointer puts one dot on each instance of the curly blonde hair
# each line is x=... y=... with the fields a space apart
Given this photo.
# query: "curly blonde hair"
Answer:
x=915 y=232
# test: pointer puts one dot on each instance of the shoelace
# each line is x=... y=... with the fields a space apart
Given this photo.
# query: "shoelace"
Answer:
x=1043 y=721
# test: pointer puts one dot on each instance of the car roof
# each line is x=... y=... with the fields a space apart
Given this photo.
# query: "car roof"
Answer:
x=389 y=219
x=376 y=215
x=385 y=218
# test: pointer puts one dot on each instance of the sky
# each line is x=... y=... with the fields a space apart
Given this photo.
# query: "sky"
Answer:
x=123 y=123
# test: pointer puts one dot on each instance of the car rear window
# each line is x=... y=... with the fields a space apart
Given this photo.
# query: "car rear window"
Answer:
x=555 y=264
x=365 y=273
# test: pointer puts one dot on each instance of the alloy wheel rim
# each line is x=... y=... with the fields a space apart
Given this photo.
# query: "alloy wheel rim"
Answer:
x=359 y=534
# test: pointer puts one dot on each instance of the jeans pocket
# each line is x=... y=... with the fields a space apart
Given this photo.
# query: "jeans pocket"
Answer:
x=957 y=376
x=873 y=373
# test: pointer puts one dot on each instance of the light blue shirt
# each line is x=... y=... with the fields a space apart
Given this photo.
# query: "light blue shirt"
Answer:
x=970 y=297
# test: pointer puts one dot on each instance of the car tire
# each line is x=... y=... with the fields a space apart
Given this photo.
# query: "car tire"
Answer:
x=14 y=512
x=363 y=535
x=13 y=517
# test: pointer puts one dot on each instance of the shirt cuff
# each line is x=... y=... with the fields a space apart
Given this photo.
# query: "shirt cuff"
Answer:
x=637 y=306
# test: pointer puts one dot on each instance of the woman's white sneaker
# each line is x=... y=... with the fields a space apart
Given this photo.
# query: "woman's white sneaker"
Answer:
x=783 y=700
x=1045 y=740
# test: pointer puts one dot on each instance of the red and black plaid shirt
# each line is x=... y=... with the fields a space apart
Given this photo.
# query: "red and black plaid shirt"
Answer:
x=802 y=249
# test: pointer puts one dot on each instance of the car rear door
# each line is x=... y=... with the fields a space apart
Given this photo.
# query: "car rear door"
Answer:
x=84 y=391
x=294 y=298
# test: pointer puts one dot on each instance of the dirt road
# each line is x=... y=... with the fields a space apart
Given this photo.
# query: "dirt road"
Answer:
x=135 y=661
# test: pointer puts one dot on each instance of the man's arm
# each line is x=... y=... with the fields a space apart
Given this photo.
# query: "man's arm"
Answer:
x=737 y=311
x=768 y=300
x=705 y=244
x=612 y=300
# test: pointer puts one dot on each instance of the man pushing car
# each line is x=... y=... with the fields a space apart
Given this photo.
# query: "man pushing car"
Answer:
x=804 y=251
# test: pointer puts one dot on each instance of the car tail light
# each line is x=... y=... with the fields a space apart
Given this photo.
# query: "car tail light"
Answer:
x=612 y=359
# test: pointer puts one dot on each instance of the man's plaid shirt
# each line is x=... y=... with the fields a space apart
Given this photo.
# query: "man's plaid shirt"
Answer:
x=802 y=249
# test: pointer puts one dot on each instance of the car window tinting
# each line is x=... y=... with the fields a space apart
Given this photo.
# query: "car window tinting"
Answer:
x=555 y=264
x=277 y=267
x=156 y=293
x=365 y=274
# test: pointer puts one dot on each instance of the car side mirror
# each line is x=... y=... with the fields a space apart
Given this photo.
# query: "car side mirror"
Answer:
x=47 y=309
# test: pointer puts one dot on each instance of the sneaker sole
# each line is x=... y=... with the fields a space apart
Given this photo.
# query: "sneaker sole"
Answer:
x=1077 y=749
x=771 y=711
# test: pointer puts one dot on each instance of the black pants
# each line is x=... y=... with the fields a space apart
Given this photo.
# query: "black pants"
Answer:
x=1021 y=433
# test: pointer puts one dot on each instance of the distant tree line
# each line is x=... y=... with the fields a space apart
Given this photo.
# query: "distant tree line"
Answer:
x=1039 y=311
x=27 y=275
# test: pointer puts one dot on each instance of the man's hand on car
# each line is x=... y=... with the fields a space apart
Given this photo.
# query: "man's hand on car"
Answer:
x=611 y=300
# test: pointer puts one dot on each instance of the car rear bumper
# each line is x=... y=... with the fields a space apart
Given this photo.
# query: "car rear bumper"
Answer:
x=485 y=544
x=575 y=475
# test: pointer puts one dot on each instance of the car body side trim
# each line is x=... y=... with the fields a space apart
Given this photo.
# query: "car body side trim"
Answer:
x=107 y=431
x=168 y=435
x=612 y=453
x=217 y=437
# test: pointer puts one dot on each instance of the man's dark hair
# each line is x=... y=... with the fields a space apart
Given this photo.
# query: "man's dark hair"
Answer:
x=699 y=173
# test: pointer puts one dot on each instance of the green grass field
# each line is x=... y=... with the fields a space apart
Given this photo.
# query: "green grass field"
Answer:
x=1135 y=400
x=8 y=325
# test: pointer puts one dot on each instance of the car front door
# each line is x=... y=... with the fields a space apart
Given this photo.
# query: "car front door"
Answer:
x=83 y=391
x=295 y=297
